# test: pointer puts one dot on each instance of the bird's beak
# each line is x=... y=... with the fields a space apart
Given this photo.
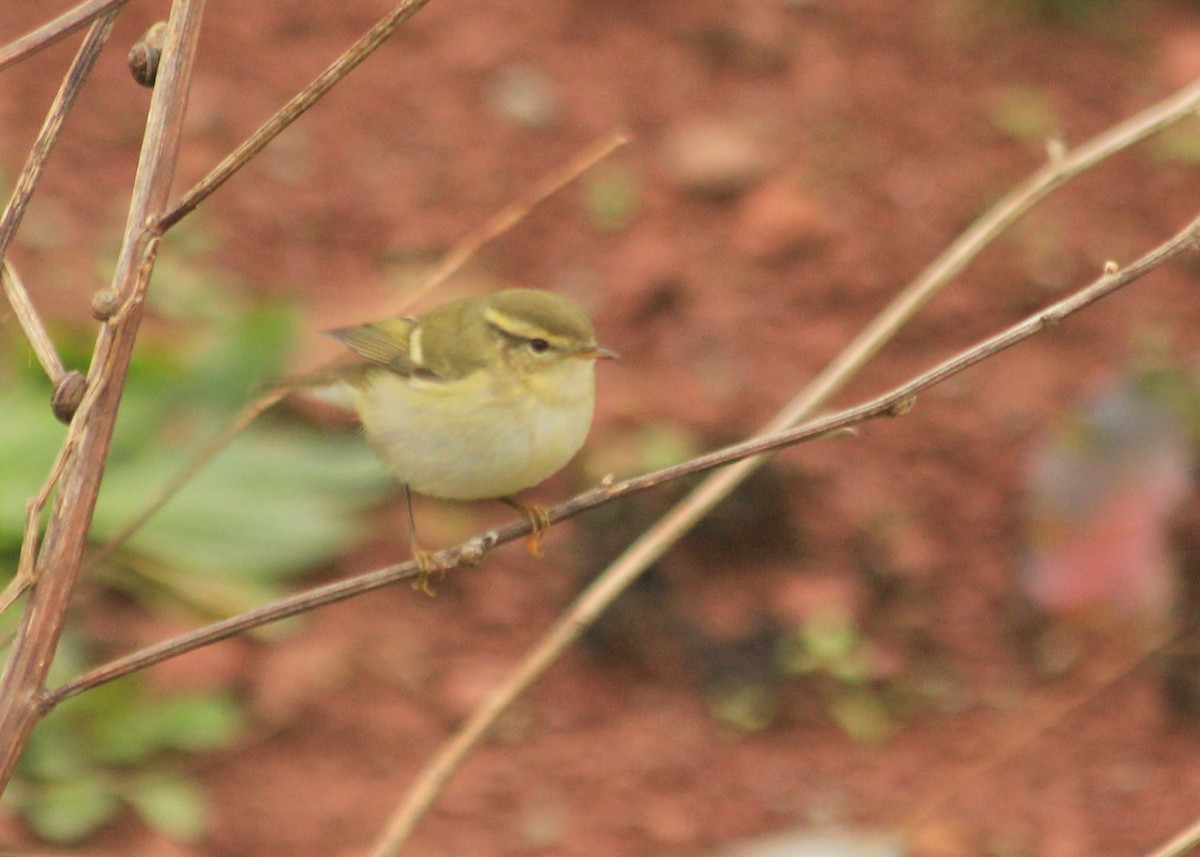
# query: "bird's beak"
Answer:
x=598 y=353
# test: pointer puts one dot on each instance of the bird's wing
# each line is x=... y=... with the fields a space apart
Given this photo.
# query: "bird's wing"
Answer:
x=384 y=342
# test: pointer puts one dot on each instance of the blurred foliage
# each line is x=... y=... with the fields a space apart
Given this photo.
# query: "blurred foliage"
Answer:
x=1102 y=489
x=1076 y=12
x=279 y=500
x=831 y=646
x=612 y=197
x=118 y=746
x=1180 y=143
x=1024 y=113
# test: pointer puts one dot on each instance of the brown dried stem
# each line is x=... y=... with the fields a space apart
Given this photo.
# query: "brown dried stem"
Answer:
x=893 y=403
x=514 y=212
x=604 y=590
x=1062 y=166
x=61 y=27
x=1184 y=842
x=293 y=110
x=31 y=324
x=22 y=690
x=10 y=220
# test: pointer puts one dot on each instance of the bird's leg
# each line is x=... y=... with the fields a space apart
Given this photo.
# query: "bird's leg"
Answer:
x=426 y=561
x=539 y=520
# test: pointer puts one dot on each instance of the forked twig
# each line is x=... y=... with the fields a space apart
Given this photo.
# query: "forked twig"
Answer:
x=18 y=297
x=293 y=110
x=61 y=27
x=58 y=566
x=31 y=325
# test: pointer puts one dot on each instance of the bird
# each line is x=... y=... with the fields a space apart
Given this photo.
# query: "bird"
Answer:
x=479 y=398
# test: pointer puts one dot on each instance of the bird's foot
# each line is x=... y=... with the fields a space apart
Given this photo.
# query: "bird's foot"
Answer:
x=427 y=566
x=539 y=522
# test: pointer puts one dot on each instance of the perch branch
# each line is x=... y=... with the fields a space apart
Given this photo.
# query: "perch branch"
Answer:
x=605 y=589
x=1061 y=167
x=293 y=110
x=59 y=28
x=22 y=689
x=893 y=403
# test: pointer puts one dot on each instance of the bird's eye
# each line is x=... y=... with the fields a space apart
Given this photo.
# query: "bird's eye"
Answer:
x=539 y=346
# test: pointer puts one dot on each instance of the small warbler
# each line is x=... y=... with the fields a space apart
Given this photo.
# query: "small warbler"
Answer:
x=477 y=399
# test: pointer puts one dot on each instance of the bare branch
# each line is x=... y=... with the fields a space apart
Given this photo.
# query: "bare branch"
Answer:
x=64 y=100
x=293 y=110
x=652 y=544
x=605 y=589
x=893 y=403
x=1182 y=843
x=61 y=27
x=31 y=323
x=515 y=211
x=22 y=690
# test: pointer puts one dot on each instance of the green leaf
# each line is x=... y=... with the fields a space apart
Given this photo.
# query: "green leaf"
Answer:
x=55 y=752
x=275 y=502
x=197 y=722
x=171 y=805
x=69 y=810
x=612 y=198
x=136 y=726
x=115 y=719
x=29 y=441
x=862 y=715
x=1024 y=113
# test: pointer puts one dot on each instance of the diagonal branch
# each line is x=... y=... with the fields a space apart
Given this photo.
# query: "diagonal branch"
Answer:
x=652 y=544
x=61 y=27
x=592 y=601
x=605 y=589
x=39 y=153
x=31 y=324
x=293 y=110
x=58 y=566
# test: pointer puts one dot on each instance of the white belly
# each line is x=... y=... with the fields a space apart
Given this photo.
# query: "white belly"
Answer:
x=507 y=440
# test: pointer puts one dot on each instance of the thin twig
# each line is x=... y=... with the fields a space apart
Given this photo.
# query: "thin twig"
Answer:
x=293 y=110
x=61 y=27
x=22 y=690
x=652 y=544
x=186 y=473
x=33 y=527
x=454 y=259
x=514 y=212
x=31 y=324
x=10 y=220
x=893 y=403
x=1182 y=843
x=1026 y=729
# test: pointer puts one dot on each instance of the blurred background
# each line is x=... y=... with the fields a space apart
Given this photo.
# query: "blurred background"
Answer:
x=829 y=654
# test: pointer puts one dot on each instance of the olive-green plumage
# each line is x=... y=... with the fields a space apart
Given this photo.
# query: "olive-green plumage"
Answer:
x=479 y=398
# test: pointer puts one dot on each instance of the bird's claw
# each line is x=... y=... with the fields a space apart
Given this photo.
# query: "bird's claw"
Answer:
x=427 y=566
